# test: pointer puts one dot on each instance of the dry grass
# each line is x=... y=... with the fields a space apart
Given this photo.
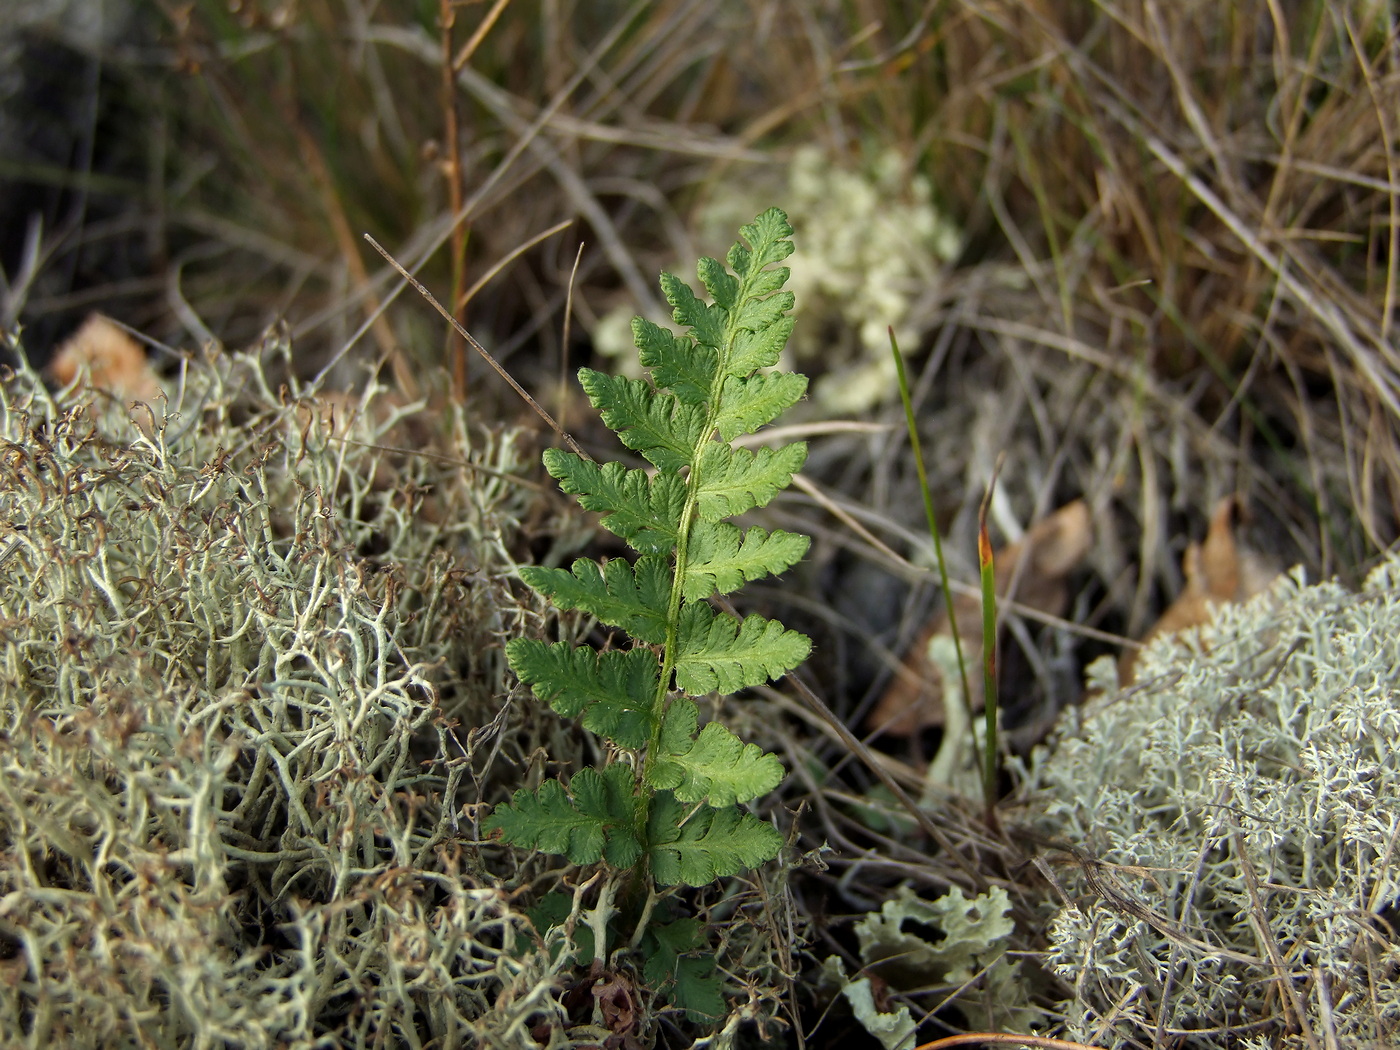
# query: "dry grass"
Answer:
x=1193 y=188
x=1179 y=281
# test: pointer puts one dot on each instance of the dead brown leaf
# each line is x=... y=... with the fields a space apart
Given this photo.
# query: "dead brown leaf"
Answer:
x=114 y=361
x=1218 y=570
x=1039 y=565
x=617 y=1001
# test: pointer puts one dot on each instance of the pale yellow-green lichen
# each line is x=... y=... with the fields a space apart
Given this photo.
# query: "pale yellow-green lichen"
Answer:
x=235 y=807
x=872 y=245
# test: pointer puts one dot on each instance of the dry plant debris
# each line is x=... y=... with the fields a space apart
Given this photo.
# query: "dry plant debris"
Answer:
x=1038 y=568
x=103 y=355
x=1219 y=569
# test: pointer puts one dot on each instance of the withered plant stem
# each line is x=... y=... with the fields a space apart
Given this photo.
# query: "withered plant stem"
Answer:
x=345 y=240
x=989 y=653
x=432 y=301
x=452 y=172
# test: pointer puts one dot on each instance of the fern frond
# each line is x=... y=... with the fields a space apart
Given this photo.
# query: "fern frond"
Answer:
x=759 y=349
x=749 y=403
x=597 y=816
x=723 y=287
x=706 y=322
x=760 y=315
x=715 y=767
x=677 y=363
x=735 y=480
x=620 y=595
x=723 y=557
x=657 y=424
x=643 y=509
x=613 y=691
x=712 y=844
x=707 y=387
x=695 y=987
x=768 y=243
x=672 y=940
x=716 y=654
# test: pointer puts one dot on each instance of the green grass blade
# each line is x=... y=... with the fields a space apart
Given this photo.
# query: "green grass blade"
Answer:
x=989 y=652
x=932 y=517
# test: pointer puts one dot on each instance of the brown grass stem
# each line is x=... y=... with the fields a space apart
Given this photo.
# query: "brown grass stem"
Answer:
x=524 y=394
x=987 y=568
x=456 y=350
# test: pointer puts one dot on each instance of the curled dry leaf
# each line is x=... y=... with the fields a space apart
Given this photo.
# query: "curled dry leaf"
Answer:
x=113 y=361
x=1039 y=566
x=617 y=1001
x=1218 y=570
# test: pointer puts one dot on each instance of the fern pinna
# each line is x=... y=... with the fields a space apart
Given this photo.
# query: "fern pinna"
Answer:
x=669 y=802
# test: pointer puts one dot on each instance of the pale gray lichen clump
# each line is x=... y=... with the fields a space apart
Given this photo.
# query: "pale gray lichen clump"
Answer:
x=230 y=787
x=1238 y=817
x=873 y=243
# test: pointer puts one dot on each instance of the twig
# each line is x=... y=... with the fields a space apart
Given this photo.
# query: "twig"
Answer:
x=539 y=409
x=1258 y=918
x=452 y=171
x=989 y=651
x=564 y=336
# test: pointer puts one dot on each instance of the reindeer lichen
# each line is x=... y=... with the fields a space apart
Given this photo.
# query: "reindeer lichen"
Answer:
x=1233 y=826
x=231 y=790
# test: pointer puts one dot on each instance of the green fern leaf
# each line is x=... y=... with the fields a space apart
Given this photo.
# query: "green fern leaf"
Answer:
x=670 y=941
x=655 y=423
x=762 y=284
x=734 y=480
x=677 y=363
x=691 y=980
x=712 y=844
x=613 y=691
x=599 y=819
x=698 y=989
x=631 y=597
x=642 y=509
x=759 y=315
x=759 y=349
x=715 y=767
x=553 y=910
x=706 y=384
x=768 y=243
x=706 y=322
x=724 y=288
x=715 y=654
x=747 y=404
x=723 y=558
